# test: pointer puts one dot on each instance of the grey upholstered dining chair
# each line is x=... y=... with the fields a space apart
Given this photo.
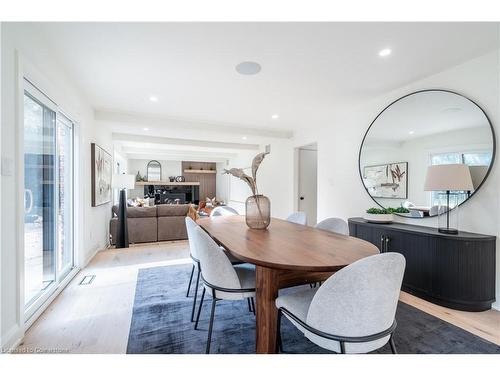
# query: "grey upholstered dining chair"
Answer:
x=223 y=211
x=190 y=227
x=298 y=217
x=354 y=310
x=220 y=278
x=335 y=225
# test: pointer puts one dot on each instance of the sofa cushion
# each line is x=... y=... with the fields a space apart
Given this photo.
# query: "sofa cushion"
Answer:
x=171 y=228
x=143 y=229
x=136 y=212
x=172 y=209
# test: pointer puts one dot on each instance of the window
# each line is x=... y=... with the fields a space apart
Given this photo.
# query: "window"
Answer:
x=480 y=158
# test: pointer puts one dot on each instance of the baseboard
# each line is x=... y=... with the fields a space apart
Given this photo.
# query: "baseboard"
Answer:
x=12 y=339
x=496 y=306
x=93 y=254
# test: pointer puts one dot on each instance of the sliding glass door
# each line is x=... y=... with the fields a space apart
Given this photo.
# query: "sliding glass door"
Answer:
x=48 y=197
x=39 y=189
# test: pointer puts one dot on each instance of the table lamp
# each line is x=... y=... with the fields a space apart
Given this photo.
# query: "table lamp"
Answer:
x=448 y=178
x=122 y=182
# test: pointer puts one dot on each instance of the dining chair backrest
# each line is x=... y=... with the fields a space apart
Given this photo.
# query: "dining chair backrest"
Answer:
x=216 y=268
x=335 y=225
x=360 y=299
x=223 y=211
x=190 y=227
x=298 y=217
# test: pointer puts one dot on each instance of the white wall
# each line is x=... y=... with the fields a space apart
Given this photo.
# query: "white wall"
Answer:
x=340 y=191
x=121 y=158
x=222 y=182
x=23 y=51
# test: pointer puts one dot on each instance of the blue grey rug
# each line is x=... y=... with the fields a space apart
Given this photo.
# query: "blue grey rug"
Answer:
x=161 y=324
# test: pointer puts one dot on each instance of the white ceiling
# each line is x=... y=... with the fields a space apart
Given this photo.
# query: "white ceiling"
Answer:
x=307 y=68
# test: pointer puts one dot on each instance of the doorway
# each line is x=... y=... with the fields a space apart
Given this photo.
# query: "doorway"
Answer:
x=307 y=186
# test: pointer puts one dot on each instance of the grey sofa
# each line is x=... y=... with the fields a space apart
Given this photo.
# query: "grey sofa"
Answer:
x=152 y=224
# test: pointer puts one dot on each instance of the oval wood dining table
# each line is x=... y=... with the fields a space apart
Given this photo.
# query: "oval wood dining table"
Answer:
x=284 y=255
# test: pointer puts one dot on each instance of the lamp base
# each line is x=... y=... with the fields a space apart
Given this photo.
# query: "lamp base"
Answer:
x=122 y=230
x=448 y=230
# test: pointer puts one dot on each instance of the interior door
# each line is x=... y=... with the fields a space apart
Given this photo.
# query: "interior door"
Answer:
x=308 y=169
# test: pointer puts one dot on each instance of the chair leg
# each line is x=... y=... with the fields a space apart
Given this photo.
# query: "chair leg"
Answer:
x=199 y=309
x=212 y=313
x=342 y=347
x=253 y=305
x=195 y=294
x=393 y=346
x=249 y=305
x=190 y=280
x=278 y=333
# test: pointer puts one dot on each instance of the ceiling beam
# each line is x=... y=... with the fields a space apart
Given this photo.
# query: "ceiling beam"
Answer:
x=183 y=142
x=144 y=153
x=173 y=123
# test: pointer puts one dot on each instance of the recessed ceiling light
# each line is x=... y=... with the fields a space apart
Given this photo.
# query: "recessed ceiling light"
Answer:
x=145 y=129
x=275 y=117
x=411 y=132
x=385 y=52
x=153 y=98
x=244 y=138
x=248 y=68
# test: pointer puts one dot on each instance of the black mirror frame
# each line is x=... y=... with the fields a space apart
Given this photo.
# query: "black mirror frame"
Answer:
x=147 y=168
x=418 y=92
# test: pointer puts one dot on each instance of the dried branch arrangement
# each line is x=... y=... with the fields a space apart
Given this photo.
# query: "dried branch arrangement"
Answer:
x=250 y=180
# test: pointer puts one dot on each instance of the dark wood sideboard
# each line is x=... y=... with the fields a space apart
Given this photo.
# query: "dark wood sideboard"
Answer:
x=456 y=271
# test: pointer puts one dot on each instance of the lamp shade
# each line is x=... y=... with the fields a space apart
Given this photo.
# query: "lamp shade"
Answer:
x=123 y=181
x=478 y=174
x=453 y=177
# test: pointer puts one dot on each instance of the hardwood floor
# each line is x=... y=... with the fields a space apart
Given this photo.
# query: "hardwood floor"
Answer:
x=485 y=324
x=95 y=318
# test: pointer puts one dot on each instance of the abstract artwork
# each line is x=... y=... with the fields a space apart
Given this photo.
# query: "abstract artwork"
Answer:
x=101 y=175
x=387 y=180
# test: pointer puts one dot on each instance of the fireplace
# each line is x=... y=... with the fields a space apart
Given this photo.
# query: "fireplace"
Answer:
x=168 y=194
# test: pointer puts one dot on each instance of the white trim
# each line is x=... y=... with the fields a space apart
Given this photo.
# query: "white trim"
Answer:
x=19 y=176
x=1 y=247
x=11 y=339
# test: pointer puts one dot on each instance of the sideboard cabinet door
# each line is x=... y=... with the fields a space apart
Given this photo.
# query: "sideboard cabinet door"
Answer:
x=418 y=251
x=370 y=234
x=464 y=272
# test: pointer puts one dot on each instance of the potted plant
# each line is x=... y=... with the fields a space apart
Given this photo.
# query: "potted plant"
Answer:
x=383 y=215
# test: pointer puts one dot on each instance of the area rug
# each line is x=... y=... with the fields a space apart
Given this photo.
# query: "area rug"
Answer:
x=161 y=324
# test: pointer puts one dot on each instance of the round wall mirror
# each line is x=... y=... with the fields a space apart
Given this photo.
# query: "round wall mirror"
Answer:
x=154 y=171
x=425 y=128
